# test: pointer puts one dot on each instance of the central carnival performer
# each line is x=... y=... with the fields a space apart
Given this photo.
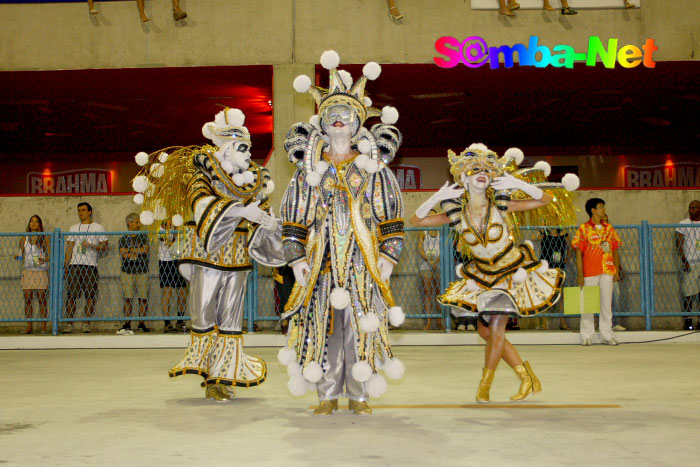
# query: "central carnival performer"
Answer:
x=343 y=232
x=501 y=279
x=225 y=192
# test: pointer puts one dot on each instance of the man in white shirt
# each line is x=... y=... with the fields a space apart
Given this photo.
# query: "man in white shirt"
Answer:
x=80 y=264
x=688 y=247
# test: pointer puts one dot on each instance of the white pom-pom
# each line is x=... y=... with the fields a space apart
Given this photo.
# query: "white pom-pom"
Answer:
x=369 y=322
x=248 y=177
x=516 y=154
x=361 y=371
x=227 y=165
x=477 y=147
x=520 y=276
x=321 y=167
x=346 y=78
x=138 y=198
x=235 y=117
x=396 y=316
x=372 y=70
x=472 y=285
x=361 y=161
x=364 y=146
x=141 y=158
x=330 y=59
x=302 y=83
x=371 y=166
x=394 y=368
x=367 y=101
x=294 y=369
x=178 y=220
x=340 y=298
x=206 y=132
x=160 y=213
x=458 y=270
x=140 y=183
x=530 y=244
x=571 y=182
x=297 y=386
x=220 y=118
x=375 y=386
x=313 y=179
x=163 y=157
x=544 y=167
x=146 y=217
x=313 y=372
x=286 y=356
x=269 y=187
x=389 y=115
x=238 y=179
x=543 y=267
x=157 y=170
x=313 y=120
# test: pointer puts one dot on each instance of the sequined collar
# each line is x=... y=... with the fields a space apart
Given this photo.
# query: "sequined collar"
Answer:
x=481 y=236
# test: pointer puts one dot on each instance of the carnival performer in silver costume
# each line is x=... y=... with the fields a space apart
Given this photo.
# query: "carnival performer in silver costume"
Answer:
x=501 y=279
x=227 y=195
x=342 y=233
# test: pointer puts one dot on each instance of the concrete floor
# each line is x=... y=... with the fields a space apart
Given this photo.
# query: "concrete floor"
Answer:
x=118 y=407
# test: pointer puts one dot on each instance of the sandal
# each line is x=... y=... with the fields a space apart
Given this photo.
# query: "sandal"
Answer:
x=179 y=14
x=629 y=4
x=514 y=6
x=395 y=14
x=568 y=11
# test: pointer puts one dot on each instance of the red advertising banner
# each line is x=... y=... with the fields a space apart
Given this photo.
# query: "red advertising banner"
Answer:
x=408 y=176
x=682 y=174
x=70 y=181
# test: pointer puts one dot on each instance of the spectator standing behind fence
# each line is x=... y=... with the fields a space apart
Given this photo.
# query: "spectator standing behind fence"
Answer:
x=597 y=261
x=554 y=245
x=688 y=247
x=429 y=249
x=169 y=249
x=34 y=251
x=178 y=13
x=80 y=264
x=133 y=277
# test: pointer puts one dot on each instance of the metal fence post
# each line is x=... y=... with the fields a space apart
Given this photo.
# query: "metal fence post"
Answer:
x=56 y=279
x=646 y=270
x=446 y=268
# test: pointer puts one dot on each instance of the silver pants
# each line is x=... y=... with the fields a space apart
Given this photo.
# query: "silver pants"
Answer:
x=341 y=356
x=217 y=298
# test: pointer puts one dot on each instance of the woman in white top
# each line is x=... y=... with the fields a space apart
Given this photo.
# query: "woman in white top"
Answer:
x=35 y=275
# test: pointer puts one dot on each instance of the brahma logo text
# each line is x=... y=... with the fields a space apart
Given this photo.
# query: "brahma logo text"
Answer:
x=473 y=52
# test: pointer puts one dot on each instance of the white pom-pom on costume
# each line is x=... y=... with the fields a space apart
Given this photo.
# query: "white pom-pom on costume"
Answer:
x=516 y=154
x=361 y=371
x=472 y=285
x=346 y=77
x=340 y=298
x=330 y=59
x=238 y=179
x=140 y=183
x=369 y=322
x=544 y=167
x=313 y=179
x=477 y=146
x=286 y=356
x=297 y=386
x=458 y=270
x=227 y=165
x=206 y=132
x=248 y=176
x=157 y=170
x=375 y=386
x=302 y=83
x=178 y=220
x=361 y=161
x=372 y=70
x=321 y=167
x=371 y=166
x=313 y=372
x=313 y=120
x=530 y=244
x=571 y=182
x=394 y=368
x=294 y=369
x=146 y=217
x=544 y=266
x=141 y=158
x=520 y=276
x=390 y=115
x=163 y=157
x=396 y=316
x=269 y=187
x=364 y=146
x=367 y=101
x=235 y=117
x=138 y=198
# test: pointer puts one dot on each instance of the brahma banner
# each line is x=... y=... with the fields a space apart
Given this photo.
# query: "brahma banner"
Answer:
x=682 y=174
x=70 y=181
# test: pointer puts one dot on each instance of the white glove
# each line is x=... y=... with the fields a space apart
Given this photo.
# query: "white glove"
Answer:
x=508 y=182
x=301 y=270
x=269 y=221
x=386 y=267
x=253 y=213
x=446 y=192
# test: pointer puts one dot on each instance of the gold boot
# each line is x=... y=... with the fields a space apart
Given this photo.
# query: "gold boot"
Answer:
x=528 y=382
x=214 y=391
x=326 y=407
x=359 y=407
x=482 y=393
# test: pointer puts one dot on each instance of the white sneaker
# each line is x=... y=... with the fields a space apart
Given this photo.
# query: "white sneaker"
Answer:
x=471 y=328
x=612 y=341
x=586 y=342
x=461 y=327
x=618 y=327
x=125 y=332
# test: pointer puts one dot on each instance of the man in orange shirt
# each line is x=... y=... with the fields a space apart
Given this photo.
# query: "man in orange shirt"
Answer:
x=596 y=244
